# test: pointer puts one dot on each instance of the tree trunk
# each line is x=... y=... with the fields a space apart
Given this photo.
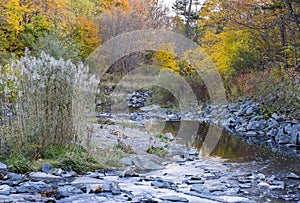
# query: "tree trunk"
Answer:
x=291 y=10
x=283 y=43
x=187 y=27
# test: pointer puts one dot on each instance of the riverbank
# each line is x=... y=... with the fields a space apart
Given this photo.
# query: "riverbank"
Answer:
x=245 y=119
x=181 y=176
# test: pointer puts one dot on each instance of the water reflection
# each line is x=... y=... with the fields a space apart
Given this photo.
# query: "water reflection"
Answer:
x=228 y=147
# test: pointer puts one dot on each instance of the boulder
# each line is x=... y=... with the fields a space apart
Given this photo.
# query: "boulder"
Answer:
x=3 y=168
x=46 y=168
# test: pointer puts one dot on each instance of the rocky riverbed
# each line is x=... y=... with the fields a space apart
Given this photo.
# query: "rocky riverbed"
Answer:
x=182 y=175
x=186 y=180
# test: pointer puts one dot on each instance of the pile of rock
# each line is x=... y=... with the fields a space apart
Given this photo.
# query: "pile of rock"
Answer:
x=139 y=99
x=172 y=116
x=246 y=119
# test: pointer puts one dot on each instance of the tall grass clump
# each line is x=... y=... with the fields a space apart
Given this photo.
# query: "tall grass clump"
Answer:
x=49 y=104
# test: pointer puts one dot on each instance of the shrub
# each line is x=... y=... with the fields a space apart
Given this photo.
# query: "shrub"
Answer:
x=277 y=89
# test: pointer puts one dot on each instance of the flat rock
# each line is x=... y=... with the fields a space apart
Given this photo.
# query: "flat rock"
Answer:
x=145 y=163
x=33 y=187
x=232 y=199
x=88 y=198
x=67 y=191
x=200 y=189
x=87 y=180
x=293 y=176
x=42 y=175
x=5 y=189
x=174 y=199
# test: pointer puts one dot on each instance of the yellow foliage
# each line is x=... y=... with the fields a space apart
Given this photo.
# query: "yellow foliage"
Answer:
x=169 y=61
x=166 y=58
x=86 y=34
x=225 y=48
x=111 y=6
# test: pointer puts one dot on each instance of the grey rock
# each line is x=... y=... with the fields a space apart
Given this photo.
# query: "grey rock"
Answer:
x=169 y=136
x=33 y=187
x=245 y=185
x=87 y=180
x=111 y=187
x=193 y=182
x=284 y=139
x=277 y=117
x=88 y=198
x=173 y=117
x=68 y=174
x=161 y=184
x=46 y=168
x=261 y=176
x=143 y=163
x=174 y=199
x=250 y=110
x=293 y=176
x=15 y=198
x=129 y=172
x=289 y=129
x=57 y=172
x=126 y=161
x=233 y=199
x=42 y=175
x=193 y=152
x=200 y=189
x=15 y=177
x=241 y=180
x=272 y=123
x=263 y=184
x=67 y=191
x=3 y=168
x=5 y=190
x=256 y=125
x=178 y=151
x=272 y=133
x=277 y=185
x=251 y=133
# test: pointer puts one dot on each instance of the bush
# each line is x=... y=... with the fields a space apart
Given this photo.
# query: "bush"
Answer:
x=277 y=89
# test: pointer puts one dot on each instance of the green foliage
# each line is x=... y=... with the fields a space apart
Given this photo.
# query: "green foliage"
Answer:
x=159 y=151
x=57 y=46
x=67 y=157
x=162 y=137
x=34 y=30
x=18 y=163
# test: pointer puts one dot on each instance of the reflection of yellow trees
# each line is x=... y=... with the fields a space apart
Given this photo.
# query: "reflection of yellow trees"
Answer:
x=228 y=146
